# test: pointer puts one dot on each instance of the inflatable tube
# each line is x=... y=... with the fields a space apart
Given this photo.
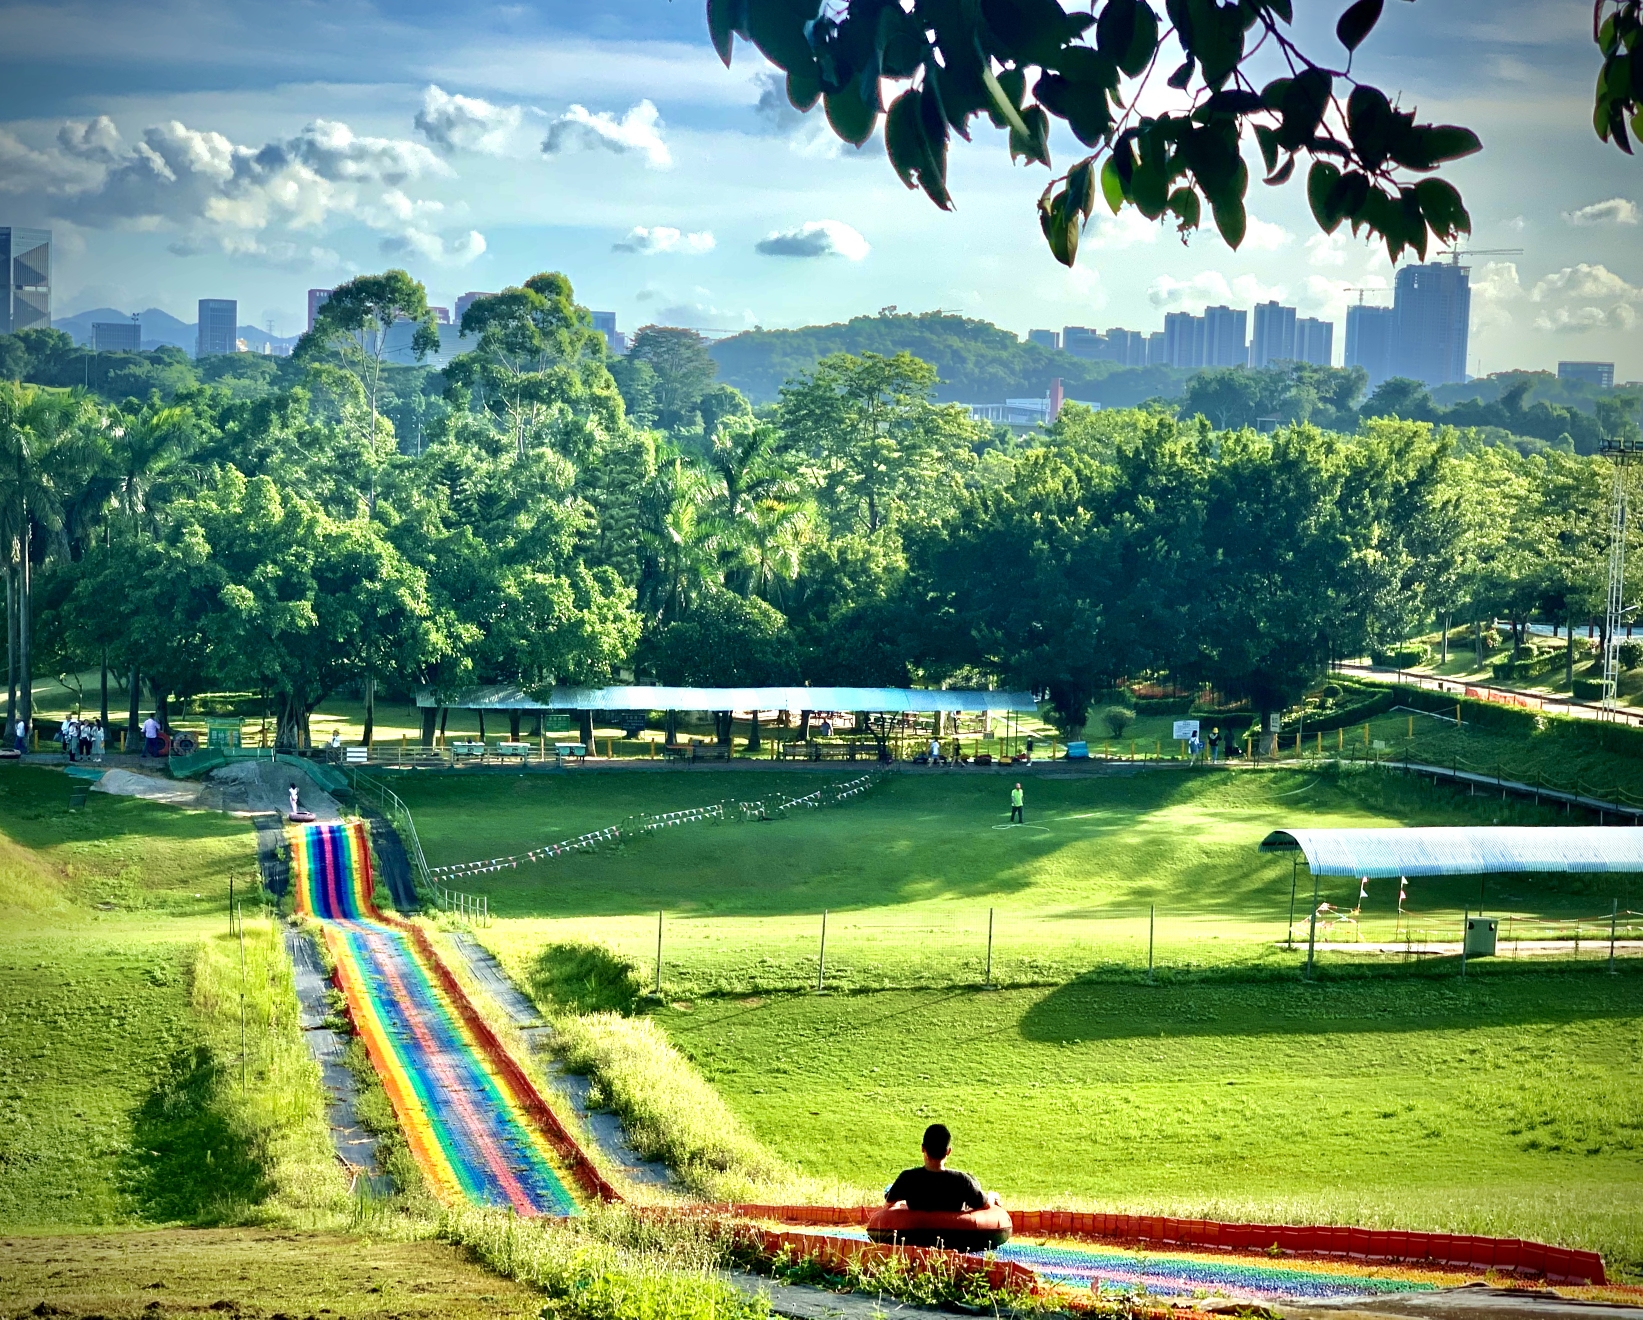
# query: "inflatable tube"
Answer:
x=301 y=817
x=973 y=1230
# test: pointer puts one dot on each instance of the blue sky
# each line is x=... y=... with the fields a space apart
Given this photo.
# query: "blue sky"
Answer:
x=183 y=149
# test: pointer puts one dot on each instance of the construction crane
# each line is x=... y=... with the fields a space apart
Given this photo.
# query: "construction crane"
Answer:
x=1455 y=254
x=1360 y=290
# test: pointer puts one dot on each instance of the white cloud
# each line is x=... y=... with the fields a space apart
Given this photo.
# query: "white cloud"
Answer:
x=1264 y=236
x=1327 y=249
x=1579 y=320
x=704 y=316
x=638 y=131
x=467 y=123
x=1583 y=281
x=1495 y=287
x=663 y=238
x=815 y=238
x=242 y=200
x=1126 y=229
x=1248 y=289
x=1615 y=211
x=1168 y=292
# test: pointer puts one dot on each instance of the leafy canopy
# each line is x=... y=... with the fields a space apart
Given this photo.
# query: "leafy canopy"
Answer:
x=1020 y=62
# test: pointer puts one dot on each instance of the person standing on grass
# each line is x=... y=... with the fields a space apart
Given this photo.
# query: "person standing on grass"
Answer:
x=1214 y=744
x=151 y=737
x=98 y=737
x=1018 y=806
x=21 y=733
x=933 y=1187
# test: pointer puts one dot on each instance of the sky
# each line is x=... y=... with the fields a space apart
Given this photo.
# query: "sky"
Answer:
x=182 y=149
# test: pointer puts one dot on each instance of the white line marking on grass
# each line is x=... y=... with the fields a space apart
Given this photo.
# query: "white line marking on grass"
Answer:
x=1292 y=792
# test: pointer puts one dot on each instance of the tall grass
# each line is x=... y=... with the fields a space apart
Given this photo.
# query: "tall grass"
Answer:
x=669 y=1111
x=609 y=1265
x=261 y=1078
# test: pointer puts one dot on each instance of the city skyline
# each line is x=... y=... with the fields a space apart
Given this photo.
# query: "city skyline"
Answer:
x=474 y=147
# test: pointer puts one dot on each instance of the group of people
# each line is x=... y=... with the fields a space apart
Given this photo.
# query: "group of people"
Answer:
x=1196 y=745
x=82 y=740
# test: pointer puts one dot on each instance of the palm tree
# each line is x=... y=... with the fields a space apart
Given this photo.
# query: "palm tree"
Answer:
x=38 y=428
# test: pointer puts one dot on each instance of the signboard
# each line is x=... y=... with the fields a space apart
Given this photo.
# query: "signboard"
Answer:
x=1185 y=729
x=556 y=723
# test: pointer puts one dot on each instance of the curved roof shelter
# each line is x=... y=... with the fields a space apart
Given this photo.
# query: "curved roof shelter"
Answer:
x=1464 y=850
x=878 y=700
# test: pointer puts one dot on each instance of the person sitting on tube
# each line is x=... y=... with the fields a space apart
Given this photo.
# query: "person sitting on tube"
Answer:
x=933 y=1187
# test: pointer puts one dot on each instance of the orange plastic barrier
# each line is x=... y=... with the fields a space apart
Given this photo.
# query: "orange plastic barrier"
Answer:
x=1459 y=1251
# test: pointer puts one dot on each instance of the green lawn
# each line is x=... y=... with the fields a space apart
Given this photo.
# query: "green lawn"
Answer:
x=1510 y=1104
x=909 y=872
x=116 y=1104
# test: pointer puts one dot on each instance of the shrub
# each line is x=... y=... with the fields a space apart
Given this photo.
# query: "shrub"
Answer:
x=584 y=978
x=1331 y=692
x=1115 y=719
x=1631 y=654
x=1404 y=657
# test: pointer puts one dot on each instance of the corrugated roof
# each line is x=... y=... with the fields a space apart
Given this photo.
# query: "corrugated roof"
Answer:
x=1463 y=850
x=888 y=700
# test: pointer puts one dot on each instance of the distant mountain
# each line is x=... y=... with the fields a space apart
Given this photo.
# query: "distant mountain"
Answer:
x=977 y=361
x=161 y=328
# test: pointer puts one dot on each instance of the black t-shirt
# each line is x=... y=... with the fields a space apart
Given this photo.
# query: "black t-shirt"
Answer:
x=944 y=1190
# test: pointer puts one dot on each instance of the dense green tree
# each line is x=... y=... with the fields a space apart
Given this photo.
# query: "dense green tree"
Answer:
x=681 y=373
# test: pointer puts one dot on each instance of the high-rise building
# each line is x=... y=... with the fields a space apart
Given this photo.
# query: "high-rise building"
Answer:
x=1369 y=332
x=466 y=301
x=219 y=326
x=116 y=336
x=1433 y=306
x=1274 y=337
x=1155 y=350
x=1314 y=341
x=1600 y=374
x=1081 y=342
x=442 y=315
x=317 y=298
x=605 y=324
x=1225 y=337
x=1044 y=338
x=1183 y=339
x=1127 y=347
x=25 y=264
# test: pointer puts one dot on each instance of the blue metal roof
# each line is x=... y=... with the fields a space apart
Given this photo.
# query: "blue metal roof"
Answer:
x=1449 y=850
x=921 y=700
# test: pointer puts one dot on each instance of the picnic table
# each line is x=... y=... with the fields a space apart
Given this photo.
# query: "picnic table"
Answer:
x=466 y=748
x=519 y=749
x=567 y=751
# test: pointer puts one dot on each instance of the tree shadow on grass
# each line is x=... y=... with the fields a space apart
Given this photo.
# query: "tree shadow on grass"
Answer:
x=191 y=1160
x=1419 y=998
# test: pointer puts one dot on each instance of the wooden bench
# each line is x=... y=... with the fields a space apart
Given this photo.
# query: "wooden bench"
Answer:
x=676 y=751
x=709 y=752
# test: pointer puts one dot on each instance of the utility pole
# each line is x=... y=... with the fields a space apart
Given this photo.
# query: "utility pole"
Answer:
x=1619 y=450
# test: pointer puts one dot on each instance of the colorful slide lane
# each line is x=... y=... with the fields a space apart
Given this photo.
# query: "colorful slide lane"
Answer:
x=475 y=1125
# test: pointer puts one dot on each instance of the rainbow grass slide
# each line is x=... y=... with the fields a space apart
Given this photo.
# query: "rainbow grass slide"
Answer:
x=475 y=1125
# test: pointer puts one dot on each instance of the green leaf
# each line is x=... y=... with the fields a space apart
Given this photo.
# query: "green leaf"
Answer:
x=1320 y=184
x=904 y=138
x=1081 y=188
x=1437 y=143
x=1005 y=107
x=1371 y=124
x=1304 y=102
x=933 y=121
x=1268 y=139
x=1143 y=45
x=1112 y=187
x=777 y=28
x=1149 y=188
x=852 y=118
x=1182 y=76
x=724 y=19
x=1282 y=174
x=1115 y=29
x=1083 y=105
x=1617 y=77
x=803 y=87
x=1184 y=203
x=1357 y=22
x=1443 y=209
x=1282 y=9
x=1230 y=219
x=1035 y=144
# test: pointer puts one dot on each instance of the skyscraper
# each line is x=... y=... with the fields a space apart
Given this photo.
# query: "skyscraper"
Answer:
x=116 y=336
x=1369 y=332
x=25 y=264
x=1433 y=307
x=1183 y=339
x=219 y=326
x=1044 y=338
x=1314 y=341
x=1127 y=347
x=1081 y=342
x=465 y=301
x=605 y=324
x=1274 y=337
x=1225 y=335
x=317 y=298
x=1600 y=374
